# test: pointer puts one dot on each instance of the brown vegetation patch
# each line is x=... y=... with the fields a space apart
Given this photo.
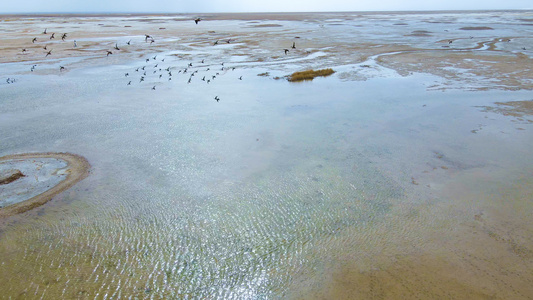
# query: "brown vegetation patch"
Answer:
x=309 y=74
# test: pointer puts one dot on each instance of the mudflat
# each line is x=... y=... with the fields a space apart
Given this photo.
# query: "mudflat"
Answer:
x=404 y=174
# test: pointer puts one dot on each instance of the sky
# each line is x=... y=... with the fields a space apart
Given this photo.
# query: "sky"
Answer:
x=206 y=6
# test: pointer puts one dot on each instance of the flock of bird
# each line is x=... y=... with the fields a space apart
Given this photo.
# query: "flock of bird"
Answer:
x=191 y=71
x=155 y=69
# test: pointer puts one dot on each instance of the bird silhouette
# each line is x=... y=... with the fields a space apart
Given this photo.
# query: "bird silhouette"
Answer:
x=34 y=40
x=293 y=45
x=215 y=43
x=64 y=36
x=286 y=51
x=153 y=88
x=129 y=83
x=52 y=36
x=197 y=20
x=217 y=99
x=48 y=53
x=61 y=68
x=109 y=52
x=128 y=42
x=44 y=32
x=116 y=46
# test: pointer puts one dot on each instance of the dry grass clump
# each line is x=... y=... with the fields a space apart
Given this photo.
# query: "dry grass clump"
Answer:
x=309 y=74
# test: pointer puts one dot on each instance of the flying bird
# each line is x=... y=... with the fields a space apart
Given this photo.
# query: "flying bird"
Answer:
x=286 y=51
x=52 y=36
x=44 y=32
x=34 y=40
x=197 y=20
x=109 y=52
x=48 y=53
x=116 y=46
x=293 y=45
x=64 y=36
x=216 y=98
x=128 y=42
x=61 y=68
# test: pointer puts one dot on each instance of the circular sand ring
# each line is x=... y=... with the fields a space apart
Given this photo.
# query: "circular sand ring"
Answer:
x=30 y=180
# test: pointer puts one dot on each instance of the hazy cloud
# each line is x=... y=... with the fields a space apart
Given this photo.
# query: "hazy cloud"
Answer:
x=183 y=6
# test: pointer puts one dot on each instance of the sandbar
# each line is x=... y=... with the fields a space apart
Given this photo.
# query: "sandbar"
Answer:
x=77 y=169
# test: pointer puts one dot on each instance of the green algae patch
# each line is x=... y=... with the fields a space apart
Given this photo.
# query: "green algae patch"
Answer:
x=309 y=74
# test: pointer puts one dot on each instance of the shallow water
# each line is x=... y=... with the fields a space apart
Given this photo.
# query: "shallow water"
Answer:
x=252 y=197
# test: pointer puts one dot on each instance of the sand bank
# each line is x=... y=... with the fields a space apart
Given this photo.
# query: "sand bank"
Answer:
x=77 y=169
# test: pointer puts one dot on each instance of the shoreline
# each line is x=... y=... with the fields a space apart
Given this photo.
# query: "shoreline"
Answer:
x=78 y=168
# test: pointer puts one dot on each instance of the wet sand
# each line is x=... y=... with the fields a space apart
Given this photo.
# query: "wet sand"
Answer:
x=332 y=192
x=462 y=54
